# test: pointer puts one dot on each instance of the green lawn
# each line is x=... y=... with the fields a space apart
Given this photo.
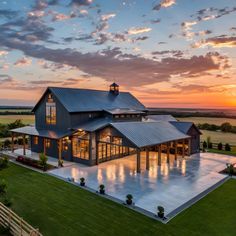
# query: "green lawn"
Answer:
x=231 y=153
x=59 y=208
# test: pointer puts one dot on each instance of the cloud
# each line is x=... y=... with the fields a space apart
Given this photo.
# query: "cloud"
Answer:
x=127 y=69
x=216 y=42
x=5 y=79
x=174 y=53
x=3 y=53
x=138 y=30
x=107 y=16
x=23 y=62
x=81 y=2
x=9 y=14
x=164 y=4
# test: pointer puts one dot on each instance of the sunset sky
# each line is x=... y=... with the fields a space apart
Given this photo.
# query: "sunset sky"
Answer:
x=168 y=53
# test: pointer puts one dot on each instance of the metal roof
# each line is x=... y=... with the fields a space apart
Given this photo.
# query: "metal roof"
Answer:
x=94 y=124
x=31 y=130
x=82 y=100
x=143 y=134
x=123 y=111
x=161 y=118
x=184 y=126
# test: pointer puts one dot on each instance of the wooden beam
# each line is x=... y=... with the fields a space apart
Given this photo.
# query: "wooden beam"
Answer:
x=168 y=152
x=183 y=148
x=176 y=149
x=12 y=142
x=44 y=146
x=138 y=161
x=159 y=155
x=189 y=146
x=147 y=159
x=24 y=152
x=59 y=149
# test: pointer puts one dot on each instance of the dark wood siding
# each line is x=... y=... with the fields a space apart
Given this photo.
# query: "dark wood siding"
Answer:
x=78 y=118
x=62 y=116
x=195 y=139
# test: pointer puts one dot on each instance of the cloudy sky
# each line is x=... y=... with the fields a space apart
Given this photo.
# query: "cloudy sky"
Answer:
x=169 y=53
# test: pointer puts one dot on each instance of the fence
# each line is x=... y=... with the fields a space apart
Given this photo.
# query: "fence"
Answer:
x=215 y=146
x=16 y=225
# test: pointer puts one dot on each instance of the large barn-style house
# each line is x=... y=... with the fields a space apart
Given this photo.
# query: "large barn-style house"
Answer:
x=93 y=126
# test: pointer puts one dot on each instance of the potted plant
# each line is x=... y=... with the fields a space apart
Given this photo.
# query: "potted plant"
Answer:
x=129 y=199
x=102 y=189
x=82 y=181
x=161 y=212
x=60 y=163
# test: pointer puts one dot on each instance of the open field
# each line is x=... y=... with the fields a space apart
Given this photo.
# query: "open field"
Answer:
x=26 y=119
x=59 y=208
x=209 y=120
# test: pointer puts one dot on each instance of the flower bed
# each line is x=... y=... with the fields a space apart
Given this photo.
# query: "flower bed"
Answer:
x=33 y=163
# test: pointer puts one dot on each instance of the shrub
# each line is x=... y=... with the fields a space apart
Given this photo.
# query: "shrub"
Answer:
x=204 y=145
x=220 y=146
x=161 y=211
x=230 y=169
x=43 y=161
x=4 y=160
x=3 y=187
x=227 y=147
x=208 y=141
x=7 y=143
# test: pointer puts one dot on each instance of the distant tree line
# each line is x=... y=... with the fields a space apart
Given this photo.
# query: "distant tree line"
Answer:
x=5 y=113
x=225 y=127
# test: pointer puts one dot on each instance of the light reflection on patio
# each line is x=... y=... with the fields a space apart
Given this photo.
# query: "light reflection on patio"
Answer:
x=167 y=185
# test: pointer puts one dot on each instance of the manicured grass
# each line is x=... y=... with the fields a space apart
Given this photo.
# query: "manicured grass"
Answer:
x=231 y=153
x=26 y=119
x=59 y=208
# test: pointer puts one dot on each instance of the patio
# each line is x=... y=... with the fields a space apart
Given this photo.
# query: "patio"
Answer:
x=169 y=185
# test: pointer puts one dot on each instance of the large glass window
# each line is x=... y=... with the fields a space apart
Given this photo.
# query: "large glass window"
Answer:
x=80 y=148
x=36 y=140
x=50 y=111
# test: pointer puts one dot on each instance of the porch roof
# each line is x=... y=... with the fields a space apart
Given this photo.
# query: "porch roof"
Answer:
x=31 y=130
x=144 y=134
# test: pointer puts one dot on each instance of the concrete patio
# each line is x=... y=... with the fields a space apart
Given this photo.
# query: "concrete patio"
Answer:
x=169 y=185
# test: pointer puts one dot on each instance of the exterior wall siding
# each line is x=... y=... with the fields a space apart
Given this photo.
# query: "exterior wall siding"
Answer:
x=195 y=140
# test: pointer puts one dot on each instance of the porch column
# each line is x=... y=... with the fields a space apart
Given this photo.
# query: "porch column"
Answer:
x=24 y=145
x=159 y=155
x=147 y=159
x=183 y=148
x=138 y=161
x=12 y=142
x=168 y=152
x=59 y=149
x=189 y=147
x=176 y=149
x=44 y=146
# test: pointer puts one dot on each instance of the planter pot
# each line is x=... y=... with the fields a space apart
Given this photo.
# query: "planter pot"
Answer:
x=161 y=214
x=102 y=191
x=129 y=202
x=82 y=184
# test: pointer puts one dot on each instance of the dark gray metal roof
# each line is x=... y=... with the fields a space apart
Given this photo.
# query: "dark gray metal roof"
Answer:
x=123 y=111
x=94 y=124
x=31 y=130
x=82 y=100
x=161 y=118
x=184 y=126
x=143 y=134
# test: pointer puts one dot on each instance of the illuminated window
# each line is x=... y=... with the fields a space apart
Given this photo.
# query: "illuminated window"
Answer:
x=36 y=140
x=50 y=111
x=65 y=144
x=80 y=148
x=47 y=143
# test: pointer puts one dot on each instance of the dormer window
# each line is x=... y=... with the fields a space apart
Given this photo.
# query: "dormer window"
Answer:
x=114 y=88
x=50 y=111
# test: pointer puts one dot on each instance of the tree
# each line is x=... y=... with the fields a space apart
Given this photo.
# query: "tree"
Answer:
x=227 y=147
x=226 y=127
x=220 y=146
